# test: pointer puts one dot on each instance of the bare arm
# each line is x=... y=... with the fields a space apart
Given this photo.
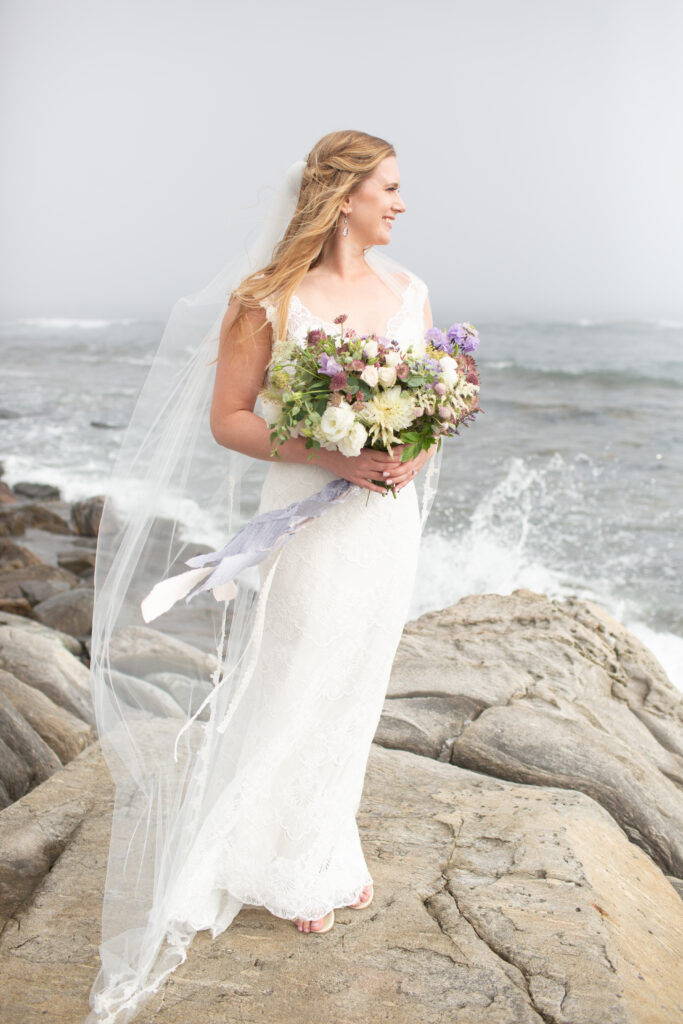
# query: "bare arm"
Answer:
x=240 y=372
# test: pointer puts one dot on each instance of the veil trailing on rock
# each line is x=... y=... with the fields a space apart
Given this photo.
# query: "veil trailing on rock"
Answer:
x=165 y=695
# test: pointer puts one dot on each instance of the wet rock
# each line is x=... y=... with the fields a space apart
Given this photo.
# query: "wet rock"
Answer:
x=43 y=492
x=15 y=519
x=86 y=515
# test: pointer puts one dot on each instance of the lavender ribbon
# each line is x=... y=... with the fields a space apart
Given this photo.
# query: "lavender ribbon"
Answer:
x=264 y=533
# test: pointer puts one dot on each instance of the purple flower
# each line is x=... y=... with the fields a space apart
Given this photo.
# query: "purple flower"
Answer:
x=431 y=364
x=314 y=336
x=329 y=365
x=470 y=344
x=465 y=336
x=436 y=337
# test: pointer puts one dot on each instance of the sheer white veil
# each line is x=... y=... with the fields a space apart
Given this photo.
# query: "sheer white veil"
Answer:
x=164 y=695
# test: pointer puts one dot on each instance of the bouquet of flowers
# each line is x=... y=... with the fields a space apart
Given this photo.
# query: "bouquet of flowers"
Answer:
x=349 y=392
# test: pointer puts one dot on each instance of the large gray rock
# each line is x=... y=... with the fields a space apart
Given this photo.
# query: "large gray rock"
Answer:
x=494 y=902
x=552 y=693
x=43 y=662
x=70 y=612
x=63 y=732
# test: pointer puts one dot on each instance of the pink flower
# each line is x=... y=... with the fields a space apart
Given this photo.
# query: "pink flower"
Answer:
x=402 y=371
x=341 y=318
x=358 y=365
x=338 y=382
x=335 y=399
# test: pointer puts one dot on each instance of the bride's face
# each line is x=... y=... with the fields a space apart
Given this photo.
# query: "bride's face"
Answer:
x=374 y=205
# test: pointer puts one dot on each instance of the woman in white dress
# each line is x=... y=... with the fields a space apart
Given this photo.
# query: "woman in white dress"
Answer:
x=343 y=585
x=261 y=809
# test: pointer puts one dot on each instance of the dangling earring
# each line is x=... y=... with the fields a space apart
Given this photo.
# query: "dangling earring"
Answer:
x=346 y=225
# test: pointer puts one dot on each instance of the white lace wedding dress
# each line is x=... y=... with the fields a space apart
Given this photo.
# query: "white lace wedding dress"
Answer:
x=282 y=832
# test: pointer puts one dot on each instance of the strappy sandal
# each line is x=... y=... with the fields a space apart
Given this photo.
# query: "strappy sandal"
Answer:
x=366 y=903
x=325 y=928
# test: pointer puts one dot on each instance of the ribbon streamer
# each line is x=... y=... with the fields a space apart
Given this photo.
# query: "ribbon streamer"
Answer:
x=264 y=533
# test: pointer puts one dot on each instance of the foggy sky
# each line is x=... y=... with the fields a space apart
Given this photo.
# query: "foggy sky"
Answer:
x=539 y=145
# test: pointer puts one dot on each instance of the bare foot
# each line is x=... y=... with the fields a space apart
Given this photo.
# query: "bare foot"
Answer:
x=305 y=925
x=363 y=896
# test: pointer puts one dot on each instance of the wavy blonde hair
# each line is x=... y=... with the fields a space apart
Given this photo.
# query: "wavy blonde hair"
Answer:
x=335 y=167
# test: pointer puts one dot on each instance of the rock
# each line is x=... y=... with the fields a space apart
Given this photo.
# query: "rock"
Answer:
x=33 y=490
x=77 y=562
x=63 y=732
x=37 y=828
x=15 y=519
x=43 y=662
x=7 y=496
x=552 y=693
x=494 y=902
x=36 y=582
x=140 y=650
x=15 y=556
x=71 y=612
x=136 y=692
x=30 y=760
x=86 y=515
x=16 y=606
x=37 y=628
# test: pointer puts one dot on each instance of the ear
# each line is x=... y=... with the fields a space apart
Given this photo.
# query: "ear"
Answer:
x=346 y=206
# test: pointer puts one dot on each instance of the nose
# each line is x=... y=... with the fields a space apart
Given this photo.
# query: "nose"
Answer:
x=399 y=206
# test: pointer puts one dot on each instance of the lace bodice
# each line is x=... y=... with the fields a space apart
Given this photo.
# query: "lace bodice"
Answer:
x=406 y=324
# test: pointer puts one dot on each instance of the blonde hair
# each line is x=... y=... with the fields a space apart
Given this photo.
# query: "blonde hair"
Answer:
x=335 y=167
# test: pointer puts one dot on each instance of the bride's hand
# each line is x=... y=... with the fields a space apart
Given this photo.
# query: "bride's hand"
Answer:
x=372 y=465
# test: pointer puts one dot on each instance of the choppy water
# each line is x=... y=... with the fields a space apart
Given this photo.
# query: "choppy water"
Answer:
x=571 y=482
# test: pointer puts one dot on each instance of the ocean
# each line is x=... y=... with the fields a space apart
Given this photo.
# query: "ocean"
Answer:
x=569 y=482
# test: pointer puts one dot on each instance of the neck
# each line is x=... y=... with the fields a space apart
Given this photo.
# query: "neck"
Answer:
x=343 y=257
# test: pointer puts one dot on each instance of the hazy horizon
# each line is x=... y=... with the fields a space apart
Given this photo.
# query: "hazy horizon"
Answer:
x=540 y=161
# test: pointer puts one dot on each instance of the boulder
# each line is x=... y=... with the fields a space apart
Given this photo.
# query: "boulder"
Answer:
x=43 y=662
x=25 y=759
x=551 y=693
x=63 y=732
x=28 y=489
x=142 y=650
x=71 y=611
x=494 y=902
x=86 y=515
x=14 y=519
x=35 y=583
x=37 y=629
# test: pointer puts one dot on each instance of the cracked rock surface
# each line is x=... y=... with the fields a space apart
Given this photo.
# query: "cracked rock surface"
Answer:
x=520 y=819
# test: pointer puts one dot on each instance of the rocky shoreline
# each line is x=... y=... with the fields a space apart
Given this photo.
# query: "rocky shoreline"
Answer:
x=522 y=817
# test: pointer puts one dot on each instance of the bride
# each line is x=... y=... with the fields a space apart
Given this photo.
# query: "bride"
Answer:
x=260 y=808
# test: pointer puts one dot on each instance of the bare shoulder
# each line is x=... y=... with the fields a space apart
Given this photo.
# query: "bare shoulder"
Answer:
x=255 y=322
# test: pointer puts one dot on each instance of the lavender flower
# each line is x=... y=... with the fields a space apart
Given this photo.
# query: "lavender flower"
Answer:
x=329 y=365
x=436 y=337
x=465 y=336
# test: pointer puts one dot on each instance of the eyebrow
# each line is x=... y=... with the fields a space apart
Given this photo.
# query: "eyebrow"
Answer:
x=397 y=183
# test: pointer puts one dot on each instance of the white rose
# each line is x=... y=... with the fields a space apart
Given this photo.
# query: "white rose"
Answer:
x=418 y=349
x=387 y=376
x=370 y=349
x=370 y=375
x=449 y=369
x=392 y=358
x=336 y=421
x=355 y=439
